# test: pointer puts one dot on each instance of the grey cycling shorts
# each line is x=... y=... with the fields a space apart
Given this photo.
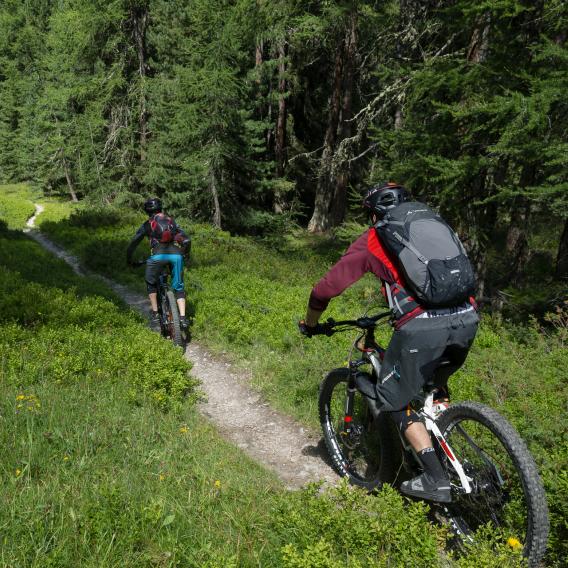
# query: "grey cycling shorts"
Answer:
x=414 y=352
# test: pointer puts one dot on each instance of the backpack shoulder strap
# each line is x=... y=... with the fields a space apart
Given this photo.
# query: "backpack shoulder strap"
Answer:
x=376 y=249
x=410 y=247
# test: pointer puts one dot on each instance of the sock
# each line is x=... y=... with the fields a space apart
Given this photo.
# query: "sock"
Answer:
x=432 y=465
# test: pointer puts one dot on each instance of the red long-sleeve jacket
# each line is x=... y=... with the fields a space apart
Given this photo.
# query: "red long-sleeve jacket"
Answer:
x=366 y=254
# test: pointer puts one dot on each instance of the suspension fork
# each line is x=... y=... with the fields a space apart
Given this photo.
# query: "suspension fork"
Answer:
x=349 y=402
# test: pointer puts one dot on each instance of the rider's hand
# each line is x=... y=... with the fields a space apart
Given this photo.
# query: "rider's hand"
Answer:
x=309 y=331
x=305 y=329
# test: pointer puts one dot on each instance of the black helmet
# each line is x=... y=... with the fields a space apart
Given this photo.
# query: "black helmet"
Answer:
x=384 y=196
x=153 y=205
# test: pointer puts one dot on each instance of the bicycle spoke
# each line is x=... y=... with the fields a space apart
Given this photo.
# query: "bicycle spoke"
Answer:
x=497 y=495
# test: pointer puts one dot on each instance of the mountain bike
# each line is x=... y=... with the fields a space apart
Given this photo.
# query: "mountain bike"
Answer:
x=494 y=480
x=170 y=323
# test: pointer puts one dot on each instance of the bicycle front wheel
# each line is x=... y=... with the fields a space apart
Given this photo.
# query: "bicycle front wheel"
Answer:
x=507 y=493
x=173 y=325
x=365 y=453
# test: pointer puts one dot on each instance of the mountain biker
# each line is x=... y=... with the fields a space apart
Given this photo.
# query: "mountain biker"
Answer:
x=421 y=336
x=169 y=245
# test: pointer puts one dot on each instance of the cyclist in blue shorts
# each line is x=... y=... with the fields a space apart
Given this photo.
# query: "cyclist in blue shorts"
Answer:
x=168 y=245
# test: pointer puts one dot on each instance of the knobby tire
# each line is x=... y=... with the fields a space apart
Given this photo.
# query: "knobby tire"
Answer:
x=509 y=493
x=174 y=331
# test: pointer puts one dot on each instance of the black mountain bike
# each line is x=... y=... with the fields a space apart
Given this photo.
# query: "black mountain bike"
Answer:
x=494 y=479
x=170 y=324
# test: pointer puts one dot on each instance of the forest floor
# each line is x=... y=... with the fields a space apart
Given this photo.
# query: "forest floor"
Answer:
x=296 y=454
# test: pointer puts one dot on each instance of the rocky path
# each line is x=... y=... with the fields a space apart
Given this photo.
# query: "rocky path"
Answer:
x=241 y=415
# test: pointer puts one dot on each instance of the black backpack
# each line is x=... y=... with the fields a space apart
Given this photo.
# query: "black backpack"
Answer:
x=431 y=256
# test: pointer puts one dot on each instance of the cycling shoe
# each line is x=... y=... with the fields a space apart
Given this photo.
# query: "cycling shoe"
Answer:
x=424 y=487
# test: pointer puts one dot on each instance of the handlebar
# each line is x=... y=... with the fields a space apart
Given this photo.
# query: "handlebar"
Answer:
x=366 y=322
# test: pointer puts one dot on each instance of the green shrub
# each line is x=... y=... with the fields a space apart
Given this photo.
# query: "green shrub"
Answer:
x=58 y=327
x=59 y=338
x=16 y=205
x=345 y=526
x=247 y=296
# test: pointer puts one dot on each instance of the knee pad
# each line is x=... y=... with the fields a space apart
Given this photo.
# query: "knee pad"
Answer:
x=404 y=418
x=179 y=294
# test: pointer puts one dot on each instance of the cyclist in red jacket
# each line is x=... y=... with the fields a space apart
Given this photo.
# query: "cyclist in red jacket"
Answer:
x=421 y=338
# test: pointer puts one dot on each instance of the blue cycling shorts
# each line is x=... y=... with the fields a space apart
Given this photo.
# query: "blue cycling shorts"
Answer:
x=154 y=266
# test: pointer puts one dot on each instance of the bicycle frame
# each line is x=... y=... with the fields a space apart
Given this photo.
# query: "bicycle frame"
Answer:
x=372 y=354
x=429 y=419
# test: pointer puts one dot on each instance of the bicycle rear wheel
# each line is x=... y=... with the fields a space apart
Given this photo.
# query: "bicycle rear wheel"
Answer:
x=365 y=454
x=173 y=325
x=507 y=493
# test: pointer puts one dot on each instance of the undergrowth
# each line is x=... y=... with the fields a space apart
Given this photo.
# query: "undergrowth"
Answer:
x=16 y=205
x=247 y=297
x=104 y=460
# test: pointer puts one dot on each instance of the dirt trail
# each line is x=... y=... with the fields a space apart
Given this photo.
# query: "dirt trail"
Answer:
x=271 y=438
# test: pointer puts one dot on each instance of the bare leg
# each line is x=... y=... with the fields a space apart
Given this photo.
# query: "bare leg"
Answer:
x=418 y=436
x=154 y=301
x=181 y=306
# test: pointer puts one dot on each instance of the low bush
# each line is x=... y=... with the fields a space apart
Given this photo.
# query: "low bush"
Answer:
x=348 y=527
x=16 y=205
x=247 y=296
x=54 y=334
x=91 y=479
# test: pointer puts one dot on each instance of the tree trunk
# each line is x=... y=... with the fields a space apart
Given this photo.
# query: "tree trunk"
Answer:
x=478 y=49
x=215 y=197
x=331 y=192
x=339 y=202
x=280 y=138
x=140 y=24
x=562 y=256
x=321 y=219
x=480 y=219
x=70 y=184
x=258 y=58
x=478 y=222
x=398 y=118
x=517 y=245
x=409 y=14
x=280 y=142
x=269 y=132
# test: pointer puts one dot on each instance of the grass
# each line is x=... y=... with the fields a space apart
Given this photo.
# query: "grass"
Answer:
x=16 y=205
x=91 y=480
x=143 y=484
x=98 y=471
